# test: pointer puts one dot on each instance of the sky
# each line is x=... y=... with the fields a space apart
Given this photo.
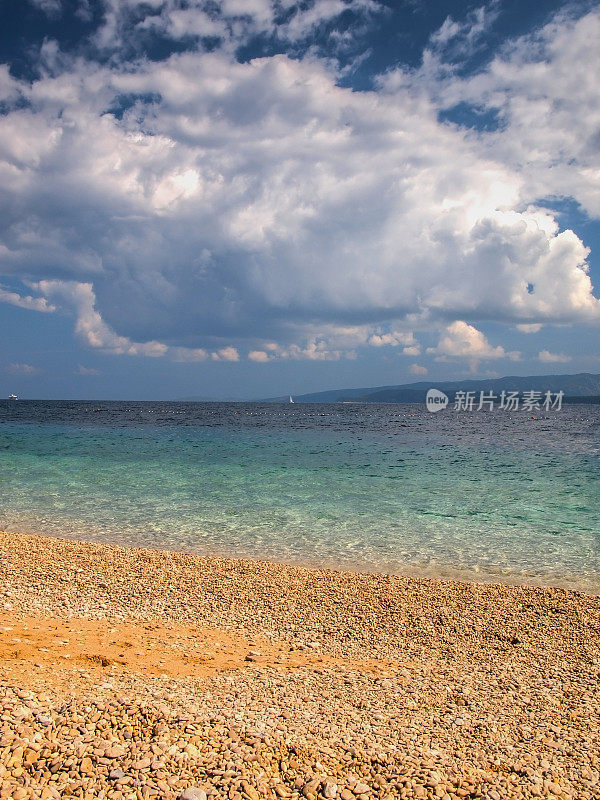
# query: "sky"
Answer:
x=250 y=198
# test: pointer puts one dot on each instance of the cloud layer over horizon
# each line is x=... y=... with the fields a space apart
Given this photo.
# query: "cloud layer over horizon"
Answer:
x=207 y=205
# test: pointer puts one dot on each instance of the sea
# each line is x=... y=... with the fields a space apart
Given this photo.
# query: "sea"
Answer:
x=494 y=496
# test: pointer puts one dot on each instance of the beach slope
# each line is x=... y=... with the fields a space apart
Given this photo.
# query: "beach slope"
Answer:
x=137 y=673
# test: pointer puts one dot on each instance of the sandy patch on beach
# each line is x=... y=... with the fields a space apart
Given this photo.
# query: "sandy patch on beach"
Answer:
x=41 y=649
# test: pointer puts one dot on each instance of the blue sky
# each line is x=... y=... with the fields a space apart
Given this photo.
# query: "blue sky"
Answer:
x=245 y=198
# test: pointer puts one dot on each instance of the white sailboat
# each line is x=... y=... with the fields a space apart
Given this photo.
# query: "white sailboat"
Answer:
x=291 y=399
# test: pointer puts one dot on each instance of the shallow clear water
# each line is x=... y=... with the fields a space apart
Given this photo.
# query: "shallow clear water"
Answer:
x=371 y=487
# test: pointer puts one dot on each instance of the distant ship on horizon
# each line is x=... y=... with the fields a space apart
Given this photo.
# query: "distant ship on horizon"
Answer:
x=12 y=397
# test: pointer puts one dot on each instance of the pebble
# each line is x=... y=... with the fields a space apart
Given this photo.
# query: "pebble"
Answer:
x=193 y=793
x=116 y=774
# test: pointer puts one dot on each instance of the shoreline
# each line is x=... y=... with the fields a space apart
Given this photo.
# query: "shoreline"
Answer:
x=251 y=679
x=440 y=572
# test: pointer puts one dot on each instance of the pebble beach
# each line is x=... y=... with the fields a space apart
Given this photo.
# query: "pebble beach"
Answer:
x=133 y=673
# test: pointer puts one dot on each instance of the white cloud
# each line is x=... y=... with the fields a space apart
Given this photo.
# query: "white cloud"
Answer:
x=187 y=354
x=31 y=303
x=553 y=358
x=534 y=328
x=81 y=370
x=393 y=339
x=10 y=88
x=53 y=8
x=542 y=87
x=418 y=369
x=80 y=299
x=226 y=354
x=91 y=327
x=258 y=356
x=231 y=22
x=20 y=368
x=201 y=205
x=459 y=40
x=461 y=340
x=315 y=349
x=330 y=342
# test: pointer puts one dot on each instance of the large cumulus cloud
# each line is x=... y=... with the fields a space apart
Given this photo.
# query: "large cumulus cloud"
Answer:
x=199 y=203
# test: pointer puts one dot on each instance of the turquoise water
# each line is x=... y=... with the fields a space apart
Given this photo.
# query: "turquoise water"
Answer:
x=476 y=495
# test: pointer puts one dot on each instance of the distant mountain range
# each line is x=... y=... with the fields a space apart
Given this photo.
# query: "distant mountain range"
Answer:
x=584 y=387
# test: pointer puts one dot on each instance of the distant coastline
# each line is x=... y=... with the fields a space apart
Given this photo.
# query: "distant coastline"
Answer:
x=583 y=387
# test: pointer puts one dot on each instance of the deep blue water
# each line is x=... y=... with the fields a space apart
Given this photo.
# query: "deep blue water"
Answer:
x=494 y=496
